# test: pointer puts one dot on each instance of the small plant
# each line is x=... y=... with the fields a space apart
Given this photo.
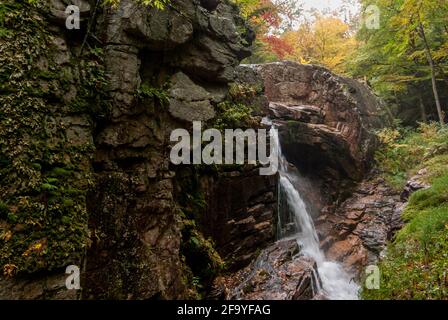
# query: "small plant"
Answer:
x=403 y=150
x=241 y=92
x=158 y=4
x=233 y=115
x=4 y=210
x=159 y=94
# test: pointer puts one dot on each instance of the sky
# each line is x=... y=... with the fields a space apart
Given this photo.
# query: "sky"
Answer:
x=333 y=5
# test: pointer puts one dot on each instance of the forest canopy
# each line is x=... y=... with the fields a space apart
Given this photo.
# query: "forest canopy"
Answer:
x=399 y=47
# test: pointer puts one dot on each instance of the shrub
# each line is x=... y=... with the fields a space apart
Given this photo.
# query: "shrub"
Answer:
x=403 y=151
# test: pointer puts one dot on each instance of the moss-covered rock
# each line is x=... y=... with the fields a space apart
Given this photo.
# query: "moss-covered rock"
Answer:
x=47 y=98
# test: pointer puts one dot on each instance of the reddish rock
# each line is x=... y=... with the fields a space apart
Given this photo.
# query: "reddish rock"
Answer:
x=330 y=119
x=363 y=224
x=350 y=252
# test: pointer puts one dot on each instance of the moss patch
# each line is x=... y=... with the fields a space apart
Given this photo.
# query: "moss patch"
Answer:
x=198 y=251
x=44 y=173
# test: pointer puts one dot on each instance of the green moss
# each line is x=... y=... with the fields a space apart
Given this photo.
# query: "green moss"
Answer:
x=198 y=251
x=243 y=93
x=4 y=210
x=44 y=179
x=159 y=94
x=233 y=115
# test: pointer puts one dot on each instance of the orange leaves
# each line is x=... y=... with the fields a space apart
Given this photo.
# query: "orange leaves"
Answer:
x=279 y=46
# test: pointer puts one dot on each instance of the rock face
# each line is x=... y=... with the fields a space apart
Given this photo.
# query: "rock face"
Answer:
x=134 y=212
x=241 y=214
x=164 y=69
x=51 y=287
x=326 y=122
x=279 y=273
x=108 y=117
x=188 y=101
x=357 y=231
x=414 y=184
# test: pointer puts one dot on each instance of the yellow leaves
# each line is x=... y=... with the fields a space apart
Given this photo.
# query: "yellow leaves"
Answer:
x=388 y=136
x=6 y=235
x=441 y=53
x=158 y=4
x=429 y=131
x=327 y=41
x=9 y=270
x=36 y=247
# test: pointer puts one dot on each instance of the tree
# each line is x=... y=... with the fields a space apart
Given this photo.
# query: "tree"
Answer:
x=407 y=57
x=269 y=19
x=325 y=41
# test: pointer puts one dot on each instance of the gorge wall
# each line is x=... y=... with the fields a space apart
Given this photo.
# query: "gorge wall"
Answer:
x=326 y=129
x=86 y=178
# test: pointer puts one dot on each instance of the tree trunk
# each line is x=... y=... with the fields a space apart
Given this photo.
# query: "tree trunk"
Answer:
x=422 y=109
x=433 y=74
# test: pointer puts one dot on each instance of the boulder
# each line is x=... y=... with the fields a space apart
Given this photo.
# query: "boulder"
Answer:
x=326 y=122
x=414 y=184
x=279 y=273
x=359 y=228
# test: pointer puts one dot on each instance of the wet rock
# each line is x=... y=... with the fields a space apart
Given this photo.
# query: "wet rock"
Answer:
x=240 y=214
x=414 y=184
x=350 y=252
x=279 y=273
x=364 y=223
x=326 y=122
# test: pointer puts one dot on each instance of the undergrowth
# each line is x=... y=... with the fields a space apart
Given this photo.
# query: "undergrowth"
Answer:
x=416 y=262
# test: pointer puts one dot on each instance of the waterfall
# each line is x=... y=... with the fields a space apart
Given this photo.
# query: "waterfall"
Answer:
x=336 y=282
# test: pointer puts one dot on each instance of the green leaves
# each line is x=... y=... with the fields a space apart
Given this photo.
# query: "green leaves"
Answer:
x=394 y=59
x=159 y=94
x=43 y=179
x=404 y=151
x=158 y=4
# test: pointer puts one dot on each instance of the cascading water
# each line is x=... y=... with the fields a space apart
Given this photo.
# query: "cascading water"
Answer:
x=337 y=284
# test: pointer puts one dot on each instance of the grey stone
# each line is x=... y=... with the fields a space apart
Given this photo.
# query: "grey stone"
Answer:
x=189 y=102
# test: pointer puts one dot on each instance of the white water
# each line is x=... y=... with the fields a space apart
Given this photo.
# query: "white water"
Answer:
x=336 y=282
